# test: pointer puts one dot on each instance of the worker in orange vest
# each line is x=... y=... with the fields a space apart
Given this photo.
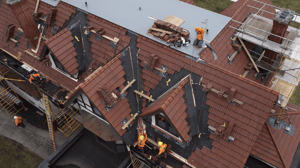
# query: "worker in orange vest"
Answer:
x=162 y=148
x=19 y=121
x=200 y=34
x=142 y=141
x=34 y=77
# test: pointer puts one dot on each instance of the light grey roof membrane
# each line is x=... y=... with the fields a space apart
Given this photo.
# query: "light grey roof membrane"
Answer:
x=51 y=2
x=126 y=13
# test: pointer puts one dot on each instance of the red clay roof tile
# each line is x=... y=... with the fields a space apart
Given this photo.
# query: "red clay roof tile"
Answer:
x=104 y=78
x=173 y=106
x=60 y=45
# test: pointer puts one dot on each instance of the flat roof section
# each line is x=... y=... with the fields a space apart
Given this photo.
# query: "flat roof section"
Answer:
x=128 y=15
x=51 y=2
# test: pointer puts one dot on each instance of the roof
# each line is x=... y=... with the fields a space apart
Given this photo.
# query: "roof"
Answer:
x=140 y=23
x=174 y=108
x=258 y=101
x=248 y=119
x=111 y=77
x=61 y=45
x=103 y=51
x=51 y=2
x=277 y=147
x=23 y=13
x=239 y=11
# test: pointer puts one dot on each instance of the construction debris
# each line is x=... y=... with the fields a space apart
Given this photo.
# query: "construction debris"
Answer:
x=169 y=33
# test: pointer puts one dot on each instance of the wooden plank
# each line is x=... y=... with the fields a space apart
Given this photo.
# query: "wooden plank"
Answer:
x=232 y=56
x=245 y=73
x=225 y=95
x=261 y=56
x=127 y=86
x=129 y=121
x=249 y=55
x=145 y=96
x=191 y=80
x=171 y=153
x=20 y=30
x=161 y=70
x=13 y=40
x=98 y=69
x=115 y=39
x=26 y=51
x=37 y=6
x=174 y=20
x=44 y=38
x=160 y=30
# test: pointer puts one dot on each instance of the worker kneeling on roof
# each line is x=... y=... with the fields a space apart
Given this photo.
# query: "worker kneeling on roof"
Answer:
x=142 y=141
x=19 y=121
x=162 y=148
x=199 y=40
x=35 y=77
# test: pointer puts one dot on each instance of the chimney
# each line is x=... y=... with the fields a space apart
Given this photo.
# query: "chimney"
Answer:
x=280 y=24
x=24 y=14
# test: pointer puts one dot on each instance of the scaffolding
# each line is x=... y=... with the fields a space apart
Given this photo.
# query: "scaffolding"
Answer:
x=67 y=120
x=9 y=100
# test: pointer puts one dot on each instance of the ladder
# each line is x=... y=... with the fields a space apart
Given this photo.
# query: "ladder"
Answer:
x=135 y=162
x=49 y=121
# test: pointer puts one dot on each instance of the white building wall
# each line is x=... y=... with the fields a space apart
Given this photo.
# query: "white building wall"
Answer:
x=37 y=103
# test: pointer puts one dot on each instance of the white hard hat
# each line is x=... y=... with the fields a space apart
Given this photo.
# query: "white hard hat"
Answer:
x=15 y=117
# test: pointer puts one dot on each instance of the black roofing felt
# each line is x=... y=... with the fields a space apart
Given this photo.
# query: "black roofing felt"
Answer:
x=197 y=121
x=76 y=26
x=296 y=160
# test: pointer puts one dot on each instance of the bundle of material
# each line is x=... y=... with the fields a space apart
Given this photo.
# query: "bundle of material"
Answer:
x=169 y=32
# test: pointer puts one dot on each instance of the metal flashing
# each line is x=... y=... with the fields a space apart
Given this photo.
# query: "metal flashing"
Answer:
x=282 y=124
x=161 y=73
x=51 y=2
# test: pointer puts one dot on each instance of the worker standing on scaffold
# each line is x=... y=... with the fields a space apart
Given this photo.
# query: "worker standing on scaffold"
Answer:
x=142 y=141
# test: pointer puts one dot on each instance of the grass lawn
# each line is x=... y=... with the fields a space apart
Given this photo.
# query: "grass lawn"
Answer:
x=214 y=5
x=15 y=155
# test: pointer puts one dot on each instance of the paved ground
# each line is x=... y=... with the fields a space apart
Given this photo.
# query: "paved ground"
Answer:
x=35 y=139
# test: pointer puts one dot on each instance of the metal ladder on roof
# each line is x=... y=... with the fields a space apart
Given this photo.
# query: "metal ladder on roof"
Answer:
x=49 y=121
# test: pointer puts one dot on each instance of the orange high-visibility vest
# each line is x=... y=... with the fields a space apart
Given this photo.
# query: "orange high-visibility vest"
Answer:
x=200 y=32
x=142 y=143
x=162 y=148
x=33 y=77
x=18 y=120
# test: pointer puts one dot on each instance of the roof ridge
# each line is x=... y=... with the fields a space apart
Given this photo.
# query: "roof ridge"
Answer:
x=92 y=77
x=56 y=36
x=273 y=139
x=243 y=79
x=174 y=92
